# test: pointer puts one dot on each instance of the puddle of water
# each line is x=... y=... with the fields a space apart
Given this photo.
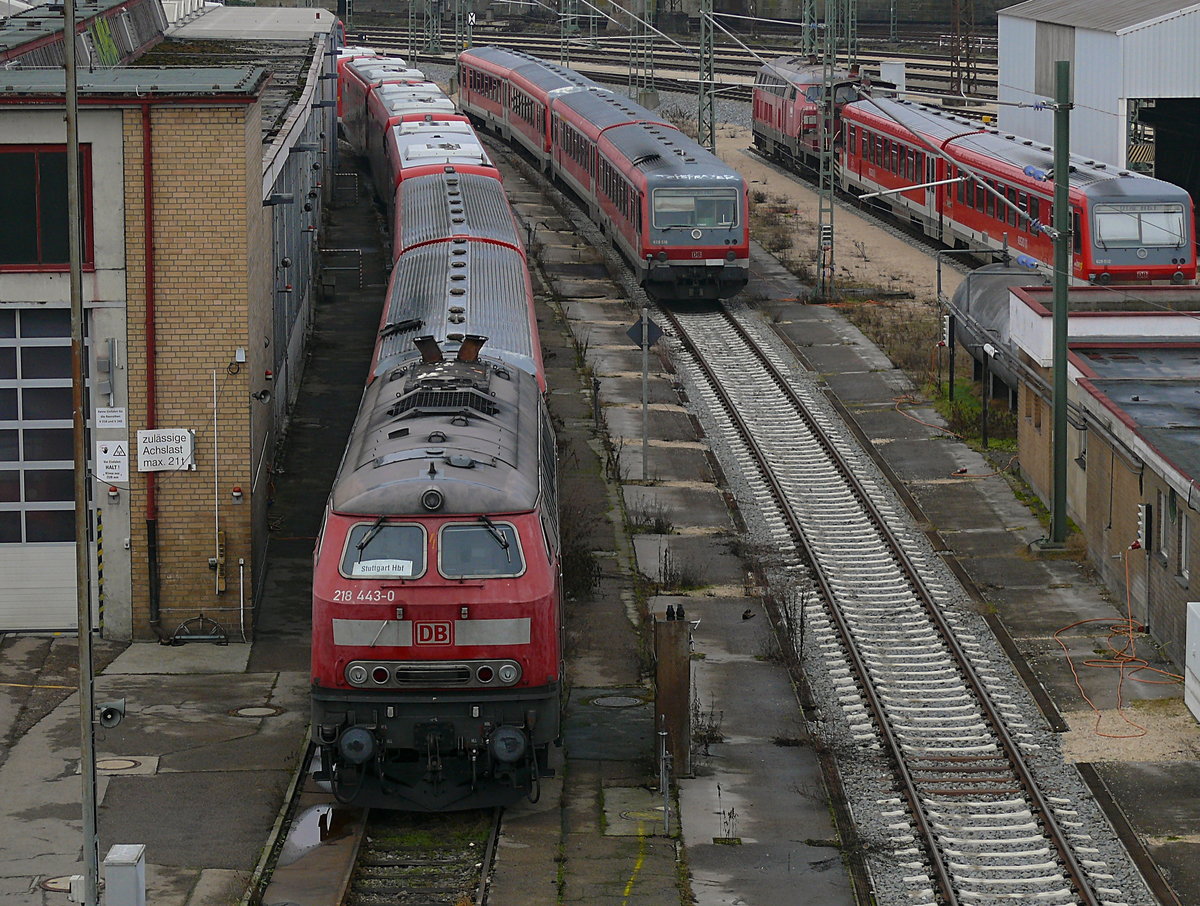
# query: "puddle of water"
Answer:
x=316 y=825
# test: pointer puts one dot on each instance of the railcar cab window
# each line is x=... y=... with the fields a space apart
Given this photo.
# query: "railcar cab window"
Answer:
x=480 y=549
x=384 y=550
x=694 y=208
x=1135 y=226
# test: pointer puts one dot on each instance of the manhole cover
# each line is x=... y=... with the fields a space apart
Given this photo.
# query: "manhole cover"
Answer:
x=61 y=884
x=617 y=701
x=256 y=711
x=116 y=764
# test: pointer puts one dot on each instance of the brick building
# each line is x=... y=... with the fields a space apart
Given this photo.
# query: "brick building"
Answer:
x=1133 y=450
x=202 y=192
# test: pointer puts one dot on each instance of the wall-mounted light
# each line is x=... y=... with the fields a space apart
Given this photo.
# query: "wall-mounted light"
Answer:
x=268 y=375
x=285 y=262
x=237 y=495
x=114 y=496
x=263 y=396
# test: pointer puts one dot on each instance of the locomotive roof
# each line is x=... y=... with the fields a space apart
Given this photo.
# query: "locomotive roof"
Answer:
x=664 y=153
x=372 y=69
x=467 y=429
x=1096 y=178
x=436 y=206
x=800 y=70
x=458 y=287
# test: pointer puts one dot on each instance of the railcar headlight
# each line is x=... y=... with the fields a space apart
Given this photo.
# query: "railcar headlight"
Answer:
x=509 y=673
x=730 y=256
x=1178 y=278
x=662 y=256
x=356 y=674
x=432 y=499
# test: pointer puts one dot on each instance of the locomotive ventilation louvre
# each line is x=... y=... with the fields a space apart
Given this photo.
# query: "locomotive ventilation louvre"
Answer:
x=424 y=400
x=450 y=675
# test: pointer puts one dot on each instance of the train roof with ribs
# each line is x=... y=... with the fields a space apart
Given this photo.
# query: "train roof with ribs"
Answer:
x=467 y=428
x=457 y=287
x=952 y=132
x=434 y=206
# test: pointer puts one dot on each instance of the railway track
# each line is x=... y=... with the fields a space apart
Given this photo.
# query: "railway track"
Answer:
x=676 y=66
x=337 y=855
x=968 y=821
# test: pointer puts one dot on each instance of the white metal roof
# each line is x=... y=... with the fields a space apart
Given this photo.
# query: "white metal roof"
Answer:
x=1101 y=15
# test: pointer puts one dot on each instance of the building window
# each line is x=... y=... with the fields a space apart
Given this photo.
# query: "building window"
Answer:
x=1183 y=540
x=1162 y=536
x=33 y=207
x=37 y=489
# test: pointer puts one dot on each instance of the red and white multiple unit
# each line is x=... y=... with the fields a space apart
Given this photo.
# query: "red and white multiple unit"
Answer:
x=1126 y=228
x=675 y=211
x=437 y=633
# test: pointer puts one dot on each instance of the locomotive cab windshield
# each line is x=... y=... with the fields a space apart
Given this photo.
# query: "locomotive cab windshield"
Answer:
x=715 y=208
x=380 y=550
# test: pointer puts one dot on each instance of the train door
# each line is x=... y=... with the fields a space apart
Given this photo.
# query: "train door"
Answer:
x=933 y=210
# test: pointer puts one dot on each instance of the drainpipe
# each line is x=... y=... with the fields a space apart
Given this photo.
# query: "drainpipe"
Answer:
x=151 y=372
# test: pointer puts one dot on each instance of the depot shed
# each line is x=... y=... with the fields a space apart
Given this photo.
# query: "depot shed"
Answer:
x=1136 y=80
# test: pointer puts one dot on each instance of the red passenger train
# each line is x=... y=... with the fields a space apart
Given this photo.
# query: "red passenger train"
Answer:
x=1126 y=228
x=437 y=633
x=675 y=211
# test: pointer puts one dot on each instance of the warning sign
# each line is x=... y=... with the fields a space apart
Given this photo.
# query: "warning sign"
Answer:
x=112 y=460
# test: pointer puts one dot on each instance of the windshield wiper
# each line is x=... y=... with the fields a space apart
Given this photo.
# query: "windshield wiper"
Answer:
x=370 y=535
x=495 y=532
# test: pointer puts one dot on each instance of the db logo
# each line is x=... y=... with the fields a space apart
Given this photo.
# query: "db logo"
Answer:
x=697 y=254
x=433 y=633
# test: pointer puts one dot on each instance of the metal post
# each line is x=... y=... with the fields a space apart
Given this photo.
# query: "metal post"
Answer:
x=1062 y=261
x=83 y=585
x=828 y=162
x=950 y=364
x=706 y=126
x=645 y=393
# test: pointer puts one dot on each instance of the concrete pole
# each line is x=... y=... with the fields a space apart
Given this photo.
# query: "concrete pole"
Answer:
x=83 y=585
x=1062 y=264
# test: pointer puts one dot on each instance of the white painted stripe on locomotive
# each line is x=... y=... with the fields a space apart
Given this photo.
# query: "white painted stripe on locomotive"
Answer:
x=399 y=633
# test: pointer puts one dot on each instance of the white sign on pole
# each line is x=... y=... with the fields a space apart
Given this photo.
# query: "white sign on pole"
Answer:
x=166 y=450
x=112 y=460
x=110 y=417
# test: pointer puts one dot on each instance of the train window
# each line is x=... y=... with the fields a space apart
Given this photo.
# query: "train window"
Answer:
x=1130 y=226
x=1033 y=209
x=990 y=201
x=699 y=207
x=470 y=550
x=1013 y=216
x=384 y=550
x=1076 y=238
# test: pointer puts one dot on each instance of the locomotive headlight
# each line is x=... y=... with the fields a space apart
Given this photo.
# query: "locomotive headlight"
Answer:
x=356 y=674
x=509 y=673
x=432 y=499
x=662 y=256
x=729 y=256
